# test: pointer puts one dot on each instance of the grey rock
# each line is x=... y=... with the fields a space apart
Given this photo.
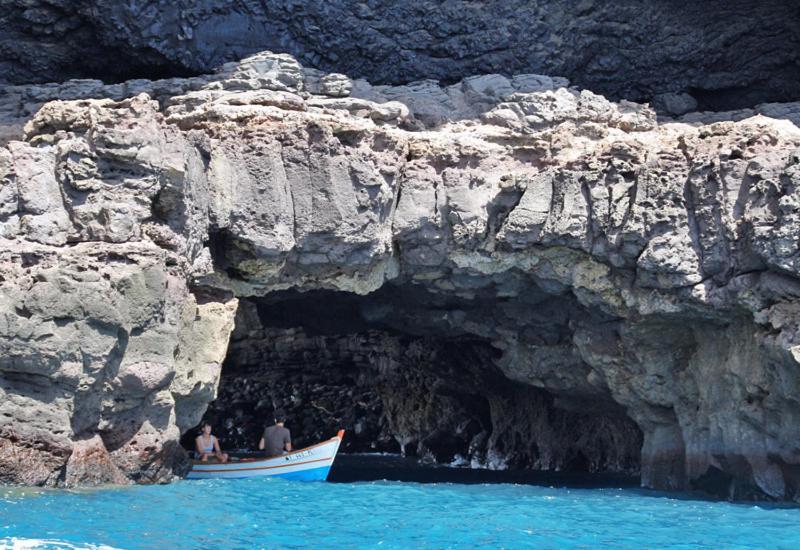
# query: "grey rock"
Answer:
x=648 y=270
x=732 y=54
x=334 y=85
x=674 y=104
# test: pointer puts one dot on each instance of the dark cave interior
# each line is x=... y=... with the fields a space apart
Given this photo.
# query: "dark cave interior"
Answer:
x=383 y=368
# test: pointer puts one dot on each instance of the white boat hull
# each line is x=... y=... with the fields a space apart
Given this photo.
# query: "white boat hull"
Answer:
x=309 y=464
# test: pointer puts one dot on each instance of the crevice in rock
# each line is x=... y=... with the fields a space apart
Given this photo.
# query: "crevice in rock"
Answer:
x=740 y=97
x=691 y=212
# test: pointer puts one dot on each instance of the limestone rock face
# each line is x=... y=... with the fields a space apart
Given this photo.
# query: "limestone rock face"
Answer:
x=100 y=328
x=611 y=259
x=728 y=53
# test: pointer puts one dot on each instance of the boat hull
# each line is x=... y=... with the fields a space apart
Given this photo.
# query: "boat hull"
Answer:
x=309 y=464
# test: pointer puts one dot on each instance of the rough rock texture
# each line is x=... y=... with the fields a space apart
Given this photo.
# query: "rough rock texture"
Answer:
x=612 y=260
x=103 y=346
x=726 y=53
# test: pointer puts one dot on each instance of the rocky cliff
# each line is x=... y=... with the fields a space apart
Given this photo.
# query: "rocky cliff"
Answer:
x=606 y=279
x=721 y=54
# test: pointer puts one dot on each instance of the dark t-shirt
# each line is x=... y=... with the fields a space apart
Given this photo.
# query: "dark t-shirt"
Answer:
x=275 y=440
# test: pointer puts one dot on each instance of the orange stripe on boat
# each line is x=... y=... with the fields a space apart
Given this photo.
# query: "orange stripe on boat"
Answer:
x=262 y=467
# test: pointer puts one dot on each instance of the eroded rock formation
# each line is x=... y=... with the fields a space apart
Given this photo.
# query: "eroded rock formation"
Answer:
x=615 y=265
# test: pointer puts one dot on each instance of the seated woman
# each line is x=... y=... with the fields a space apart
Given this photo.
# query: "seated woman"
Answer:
x=207 y=445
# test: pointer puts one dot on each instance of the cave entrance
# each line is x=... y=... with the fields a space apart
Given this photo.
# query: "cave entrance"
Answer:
x=399 y=370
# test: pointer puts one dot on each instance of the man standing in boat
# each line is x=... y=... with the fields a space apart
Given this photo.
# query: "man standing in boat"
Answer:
x=276 y=440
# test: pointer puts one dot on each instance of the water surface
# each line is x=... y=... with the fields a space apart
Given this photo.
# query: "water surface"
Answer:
x=272 y=513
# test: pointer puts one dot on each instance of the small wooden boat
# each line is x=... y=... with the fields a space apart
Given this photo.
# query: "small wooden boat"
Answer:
x=309 y=464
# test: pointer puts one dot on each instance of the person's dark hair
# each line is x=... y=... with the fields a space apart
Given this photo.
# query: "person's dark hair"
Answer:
x=280 y=416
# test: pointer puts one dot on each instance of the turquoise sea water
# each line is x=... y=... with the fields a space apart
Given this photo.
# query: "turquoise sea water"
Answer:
x=273 y=513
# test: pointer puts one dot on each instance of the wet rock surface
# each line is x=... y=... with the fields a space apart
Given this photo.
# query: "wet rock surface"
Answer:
x=726 y=54
x=583 y=258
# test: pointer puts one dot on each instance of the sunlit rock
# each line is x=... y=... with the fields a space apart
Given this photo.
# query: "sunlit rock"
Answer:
x=634 y=280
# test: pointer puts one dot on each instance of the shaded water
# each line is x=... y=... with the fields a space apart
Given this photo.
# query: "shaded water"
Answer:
x=274 y=513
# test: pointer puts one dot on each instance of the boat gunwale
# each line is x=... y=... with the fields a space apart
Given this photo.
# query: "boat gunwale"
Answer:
x=253 y=468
